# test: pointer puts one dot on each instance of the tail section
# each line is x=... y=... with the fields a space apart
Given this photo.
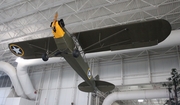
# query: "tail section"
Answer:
x=101 y=86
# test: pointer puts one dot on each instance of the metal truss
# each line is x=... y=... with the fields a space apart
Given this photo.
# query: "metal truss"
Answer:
x=30 y=19
x=81 y=13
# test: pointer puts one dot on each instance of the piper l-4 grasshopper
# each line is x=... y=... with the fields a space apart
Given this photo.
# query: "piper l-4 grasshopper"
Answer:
x=71 y=46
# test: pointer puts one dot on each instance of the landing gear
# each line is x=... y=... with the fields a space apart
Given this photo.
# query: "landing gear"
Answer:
x=61 y=23
x=45 y=57
x=76 y=53
x=57 y=53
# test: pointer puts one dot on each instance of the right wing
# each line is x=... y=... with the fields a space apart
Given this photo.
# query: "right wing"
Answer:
x=33 y=48
x=134 y=35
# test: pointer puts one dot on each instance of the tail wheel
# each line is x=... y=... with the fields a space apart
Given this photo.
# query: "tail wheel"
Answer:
x=61 y=22
x=76 y=53
x=45 y=57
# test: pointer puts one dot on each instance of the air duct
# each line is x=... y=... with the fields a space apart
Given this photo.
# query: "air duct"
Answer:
x=135 y=95
x=11 y=72
x=23 y=76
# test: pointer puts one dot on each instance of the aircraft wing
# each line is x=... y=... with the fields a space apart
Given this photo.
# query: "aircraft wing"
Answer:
x=135 y=35
x=33 y=48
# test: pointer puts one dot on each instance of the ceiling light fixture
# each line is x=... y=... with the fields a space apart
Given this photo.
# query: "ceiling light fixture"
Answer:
x=19 y=59
x=140 y=100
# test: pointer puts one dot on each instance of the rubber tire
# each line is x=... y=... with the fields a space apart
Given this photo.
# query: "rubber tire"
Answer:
x=61 y=22
x=76 y=53
x=45 y=57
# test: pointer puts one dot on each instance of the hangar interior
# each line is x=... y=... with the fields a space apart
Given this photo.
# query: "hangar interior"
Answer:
x=133 y=71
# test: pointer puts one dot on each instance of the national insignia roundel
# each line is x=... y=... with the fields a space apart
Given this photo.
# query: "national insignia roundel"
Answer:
x=15 y=49
x=89 y=75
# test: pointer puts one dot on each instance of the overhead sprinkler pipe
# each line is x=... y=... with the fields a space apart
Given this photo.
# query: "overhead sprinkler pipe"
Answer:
x=11 y=72
x=135 y=95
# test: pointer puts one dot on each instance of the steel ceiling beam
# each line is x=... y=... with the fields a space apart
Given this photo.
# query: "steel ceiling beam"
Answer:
x=11 y=4
x=36 y=10
x=66 y=15
x=76 y=24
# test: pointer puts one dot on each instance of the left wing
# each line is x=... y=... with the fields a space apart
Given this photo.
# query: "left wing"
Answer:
x=33 y=48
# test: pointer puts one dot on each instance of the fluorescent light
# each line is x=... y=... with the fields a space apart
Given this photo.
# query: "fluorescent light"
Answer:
x=19 y=59
x=140 y=100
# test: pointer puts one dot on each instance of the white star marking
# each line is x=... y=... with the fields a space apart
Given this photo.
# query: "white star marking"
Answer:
x=17 y=50
x=89 y=73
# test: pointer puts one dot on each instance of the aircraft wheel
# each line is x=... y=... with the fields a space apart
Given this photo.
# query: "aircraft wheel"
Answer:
x=76 y=53
x=45 y=57
x=61 y=22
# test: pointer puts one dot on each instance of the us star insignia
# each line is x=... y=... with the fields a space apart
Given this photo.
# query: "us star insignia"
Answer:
x=15 y=49
x=89 y=75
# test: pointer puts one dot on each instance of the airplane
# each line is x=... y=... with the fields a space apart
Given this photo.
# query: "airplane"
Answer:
x=73 y=47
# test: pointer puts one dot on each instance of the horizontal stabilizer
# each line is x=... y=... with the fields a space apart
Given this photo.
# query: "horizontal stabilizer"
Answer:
x=101 y=86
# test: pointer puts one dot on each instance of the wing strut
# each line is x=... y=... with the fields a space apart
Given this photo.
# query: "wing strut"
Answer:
x=109 y=45
x=106 y=38
x=38 y=47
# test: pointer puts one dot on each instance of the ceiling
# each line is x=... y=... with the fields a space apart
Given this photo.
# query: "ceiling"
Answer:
x=30 y=19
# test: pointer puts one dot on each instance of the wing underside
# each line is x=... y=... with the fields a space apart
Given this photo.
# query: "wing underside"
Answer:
x=128 y=36
x=33 y=48
x=135 y=35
